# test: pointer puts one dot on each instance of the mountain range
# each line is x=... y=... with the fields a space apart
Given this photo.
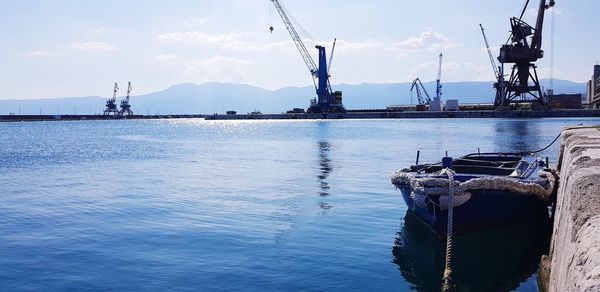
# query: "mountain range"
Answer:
x=208 y=98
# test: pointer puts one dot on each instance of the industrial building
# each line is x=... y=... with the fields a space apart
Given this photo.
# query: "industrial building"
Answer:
x=565 y=101
x=593 y=89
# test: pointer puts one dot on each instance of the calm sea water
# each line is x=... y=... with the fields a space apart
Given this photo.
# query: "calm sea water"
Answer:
x=195 y=205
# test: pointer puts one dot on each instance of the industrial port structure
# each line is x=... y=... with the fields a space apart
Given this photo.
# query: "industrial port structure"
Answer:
x=111 y=103
x=327 y=101
x=521 y=86
x=522 y=51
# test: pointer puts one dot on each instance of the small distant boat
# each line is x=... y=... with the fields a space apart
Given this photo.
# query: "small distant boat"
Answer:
x=489 y=189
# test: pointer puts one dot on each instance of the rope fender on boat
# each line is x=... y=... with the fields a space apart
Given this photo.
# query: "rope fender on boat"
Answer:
x=421 y=187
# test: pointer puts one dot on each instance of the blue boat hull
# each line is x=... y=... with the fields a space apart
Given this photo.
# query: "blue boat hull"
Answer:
x=485 y=209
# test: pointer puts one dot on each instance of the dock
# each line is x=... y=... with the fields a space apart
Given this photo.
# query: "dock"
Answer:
x=39 y=118
x=382 y=114
x=351 y=114
x=573 y=262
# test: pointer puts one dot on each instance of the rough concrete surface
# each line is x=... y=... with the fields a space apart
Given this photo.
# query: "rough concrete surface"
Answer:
x=574 y=259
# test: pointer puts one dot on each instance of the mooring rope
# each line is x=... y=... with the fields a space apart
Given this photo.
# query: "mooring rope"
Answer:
x=540 y=150
x=447 y=279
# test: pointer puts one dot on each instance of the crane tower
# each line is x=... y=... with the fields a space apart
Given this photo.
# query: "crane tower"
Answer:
x=436 y=104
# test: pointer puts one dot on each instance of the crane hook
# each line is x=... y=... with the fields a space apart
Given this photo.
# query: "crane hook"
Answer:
x=271 y=29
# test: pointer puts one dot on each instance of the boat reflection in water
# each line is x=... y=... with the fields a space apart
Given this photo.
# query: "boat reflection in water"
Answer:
x=492 y=260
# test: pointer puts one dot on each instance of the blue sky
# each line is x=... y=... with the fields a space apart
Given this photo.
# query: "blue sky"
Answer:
x=58 y=48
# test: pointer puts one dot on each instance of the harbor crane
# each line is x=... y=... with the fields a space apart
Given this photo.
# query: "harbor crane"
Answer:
x=327 y=101
x=523 y=49
x=436 y=104
x=422 y=97
x=111 y=104
x=495 y=67
x=125 y=106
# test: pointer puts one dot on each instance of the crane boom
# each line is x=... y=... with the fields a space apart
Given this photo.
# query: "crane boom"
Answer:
x=331 y=56
x=128 y=91
x=536 y=40
x=310 y=63
x=115 y=90
x=492 y=60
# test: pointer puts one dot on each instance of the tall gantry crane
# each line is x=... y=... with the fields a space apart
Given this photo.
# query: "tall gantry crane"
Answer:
x=523 y=49
x=125 y=106
x=111 y=104
x=327 y=101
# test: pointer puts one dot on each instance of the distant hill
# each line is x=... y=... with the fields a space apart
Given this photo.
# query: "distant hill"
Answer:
x=219 y=97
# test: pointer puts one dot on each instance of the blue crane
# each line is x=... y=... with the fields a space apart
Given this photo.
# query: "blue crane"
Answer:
x=327 y=101
x=438 y=83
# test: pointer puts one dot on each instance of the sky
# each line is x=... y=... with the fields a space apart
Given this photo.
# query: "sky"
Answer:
x=66 y=48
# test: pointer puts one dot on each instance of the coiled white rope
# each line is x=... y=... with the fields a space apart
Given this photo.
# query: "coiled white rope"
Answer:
x=447 y=278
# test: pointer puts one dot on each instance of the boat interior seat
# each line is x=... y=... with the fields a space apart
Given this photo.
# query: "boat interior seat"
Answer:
x=479 y=169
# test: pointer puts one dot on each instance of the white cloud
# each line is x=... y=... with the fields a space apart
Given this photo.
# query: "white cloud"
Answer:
x=2 y=82
x=428 y=40
x=38 y=54
x=222 y=61
x=198 y=36
x=93 y=46
x=166 y=57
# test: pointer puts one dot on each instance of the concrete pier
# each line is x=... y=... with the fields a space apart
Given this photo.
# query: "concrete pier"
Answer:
x=37 y=118
x=573 y=263
x=382 y=114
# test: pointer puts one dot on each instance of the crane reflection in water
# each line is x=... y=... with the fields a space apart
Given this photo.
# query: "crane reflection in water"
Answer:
x=492 y=260
x=325 y=169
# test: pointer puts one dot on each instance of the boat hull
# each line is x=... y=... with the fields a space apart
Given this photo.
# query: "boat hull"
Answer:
x=485 y=209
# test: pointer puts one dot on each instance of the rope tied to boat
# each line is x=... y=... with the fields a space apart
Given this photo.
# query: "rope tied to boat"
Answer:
x=447 y=278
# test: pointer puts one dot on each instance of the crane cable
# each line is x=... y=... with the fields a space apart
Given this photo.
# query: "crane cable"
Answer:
x=296 y=23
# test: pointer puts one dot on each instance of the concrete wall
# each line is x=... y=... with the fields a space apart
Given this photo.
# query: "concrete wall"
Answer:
x=574 y=260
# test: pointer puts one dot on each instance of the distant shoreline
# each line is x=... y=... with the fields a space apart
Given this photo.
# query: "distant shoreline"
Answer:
x=312 y=116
